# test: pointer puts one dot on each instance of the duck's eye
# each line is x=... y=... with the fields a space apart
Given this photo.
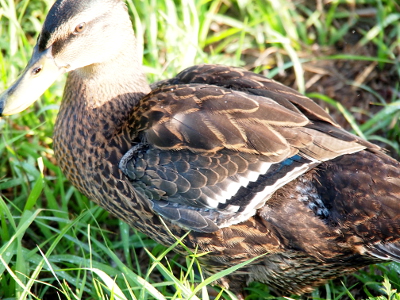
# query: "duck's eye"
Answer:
x=36 y=70
x=80 y=28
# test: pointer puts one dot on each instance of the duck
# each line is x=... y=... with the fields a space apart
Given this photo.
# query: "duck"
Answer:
x=239 y=165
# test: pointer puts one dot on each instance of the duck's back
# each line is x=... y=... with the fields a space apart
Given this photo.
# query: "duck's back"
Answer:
x=253 y=167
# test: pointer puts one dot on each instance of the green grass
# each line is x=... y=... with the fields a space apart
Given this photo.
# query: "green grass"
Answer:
x=56 y=243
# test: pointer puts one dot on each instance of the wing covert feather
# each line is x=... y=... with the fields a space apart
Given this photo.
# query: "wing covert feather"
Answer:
x=217 y=142
x=211 y=107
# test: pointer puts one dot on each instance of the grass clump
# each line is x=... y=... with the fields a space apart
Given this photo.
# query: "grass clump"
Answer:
x=56 y=243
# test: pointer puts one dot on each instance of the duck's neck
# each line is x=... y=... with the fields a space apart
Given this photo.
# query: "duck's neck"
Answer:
x=107 y=92
x=96 y=106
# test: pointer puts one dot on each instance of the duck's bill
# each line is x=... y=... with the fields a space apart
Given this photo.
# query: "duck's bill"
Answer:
x=40 y=73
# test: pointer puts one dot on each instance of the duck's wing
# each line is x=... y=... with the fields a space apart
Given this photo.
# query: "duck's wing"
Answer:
x=385 y=251
x=214 y=143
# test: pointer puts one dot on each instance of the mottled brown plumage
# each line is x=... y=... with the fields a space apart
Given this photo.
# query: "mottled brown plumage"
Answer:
x=250 y=166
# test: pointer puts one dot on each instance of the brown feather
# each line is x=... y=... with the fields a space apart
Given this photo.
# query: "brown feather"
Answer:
x=251 y=166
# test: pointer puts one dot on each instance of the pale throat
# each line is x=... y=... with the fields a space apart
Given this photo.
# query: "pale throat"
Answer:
x=101 y=83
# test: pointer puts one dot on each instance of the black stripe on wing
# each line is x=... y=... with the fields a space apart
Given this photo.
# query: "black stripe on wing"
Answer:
x=277 y=175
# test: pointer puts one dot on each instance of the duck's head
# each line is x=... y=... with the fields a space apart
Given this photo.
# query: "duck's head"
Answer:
x=76 y=35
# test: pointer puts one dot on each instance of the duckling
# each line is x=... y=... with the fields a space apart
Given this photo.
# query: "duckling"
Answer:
x=242 y=164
